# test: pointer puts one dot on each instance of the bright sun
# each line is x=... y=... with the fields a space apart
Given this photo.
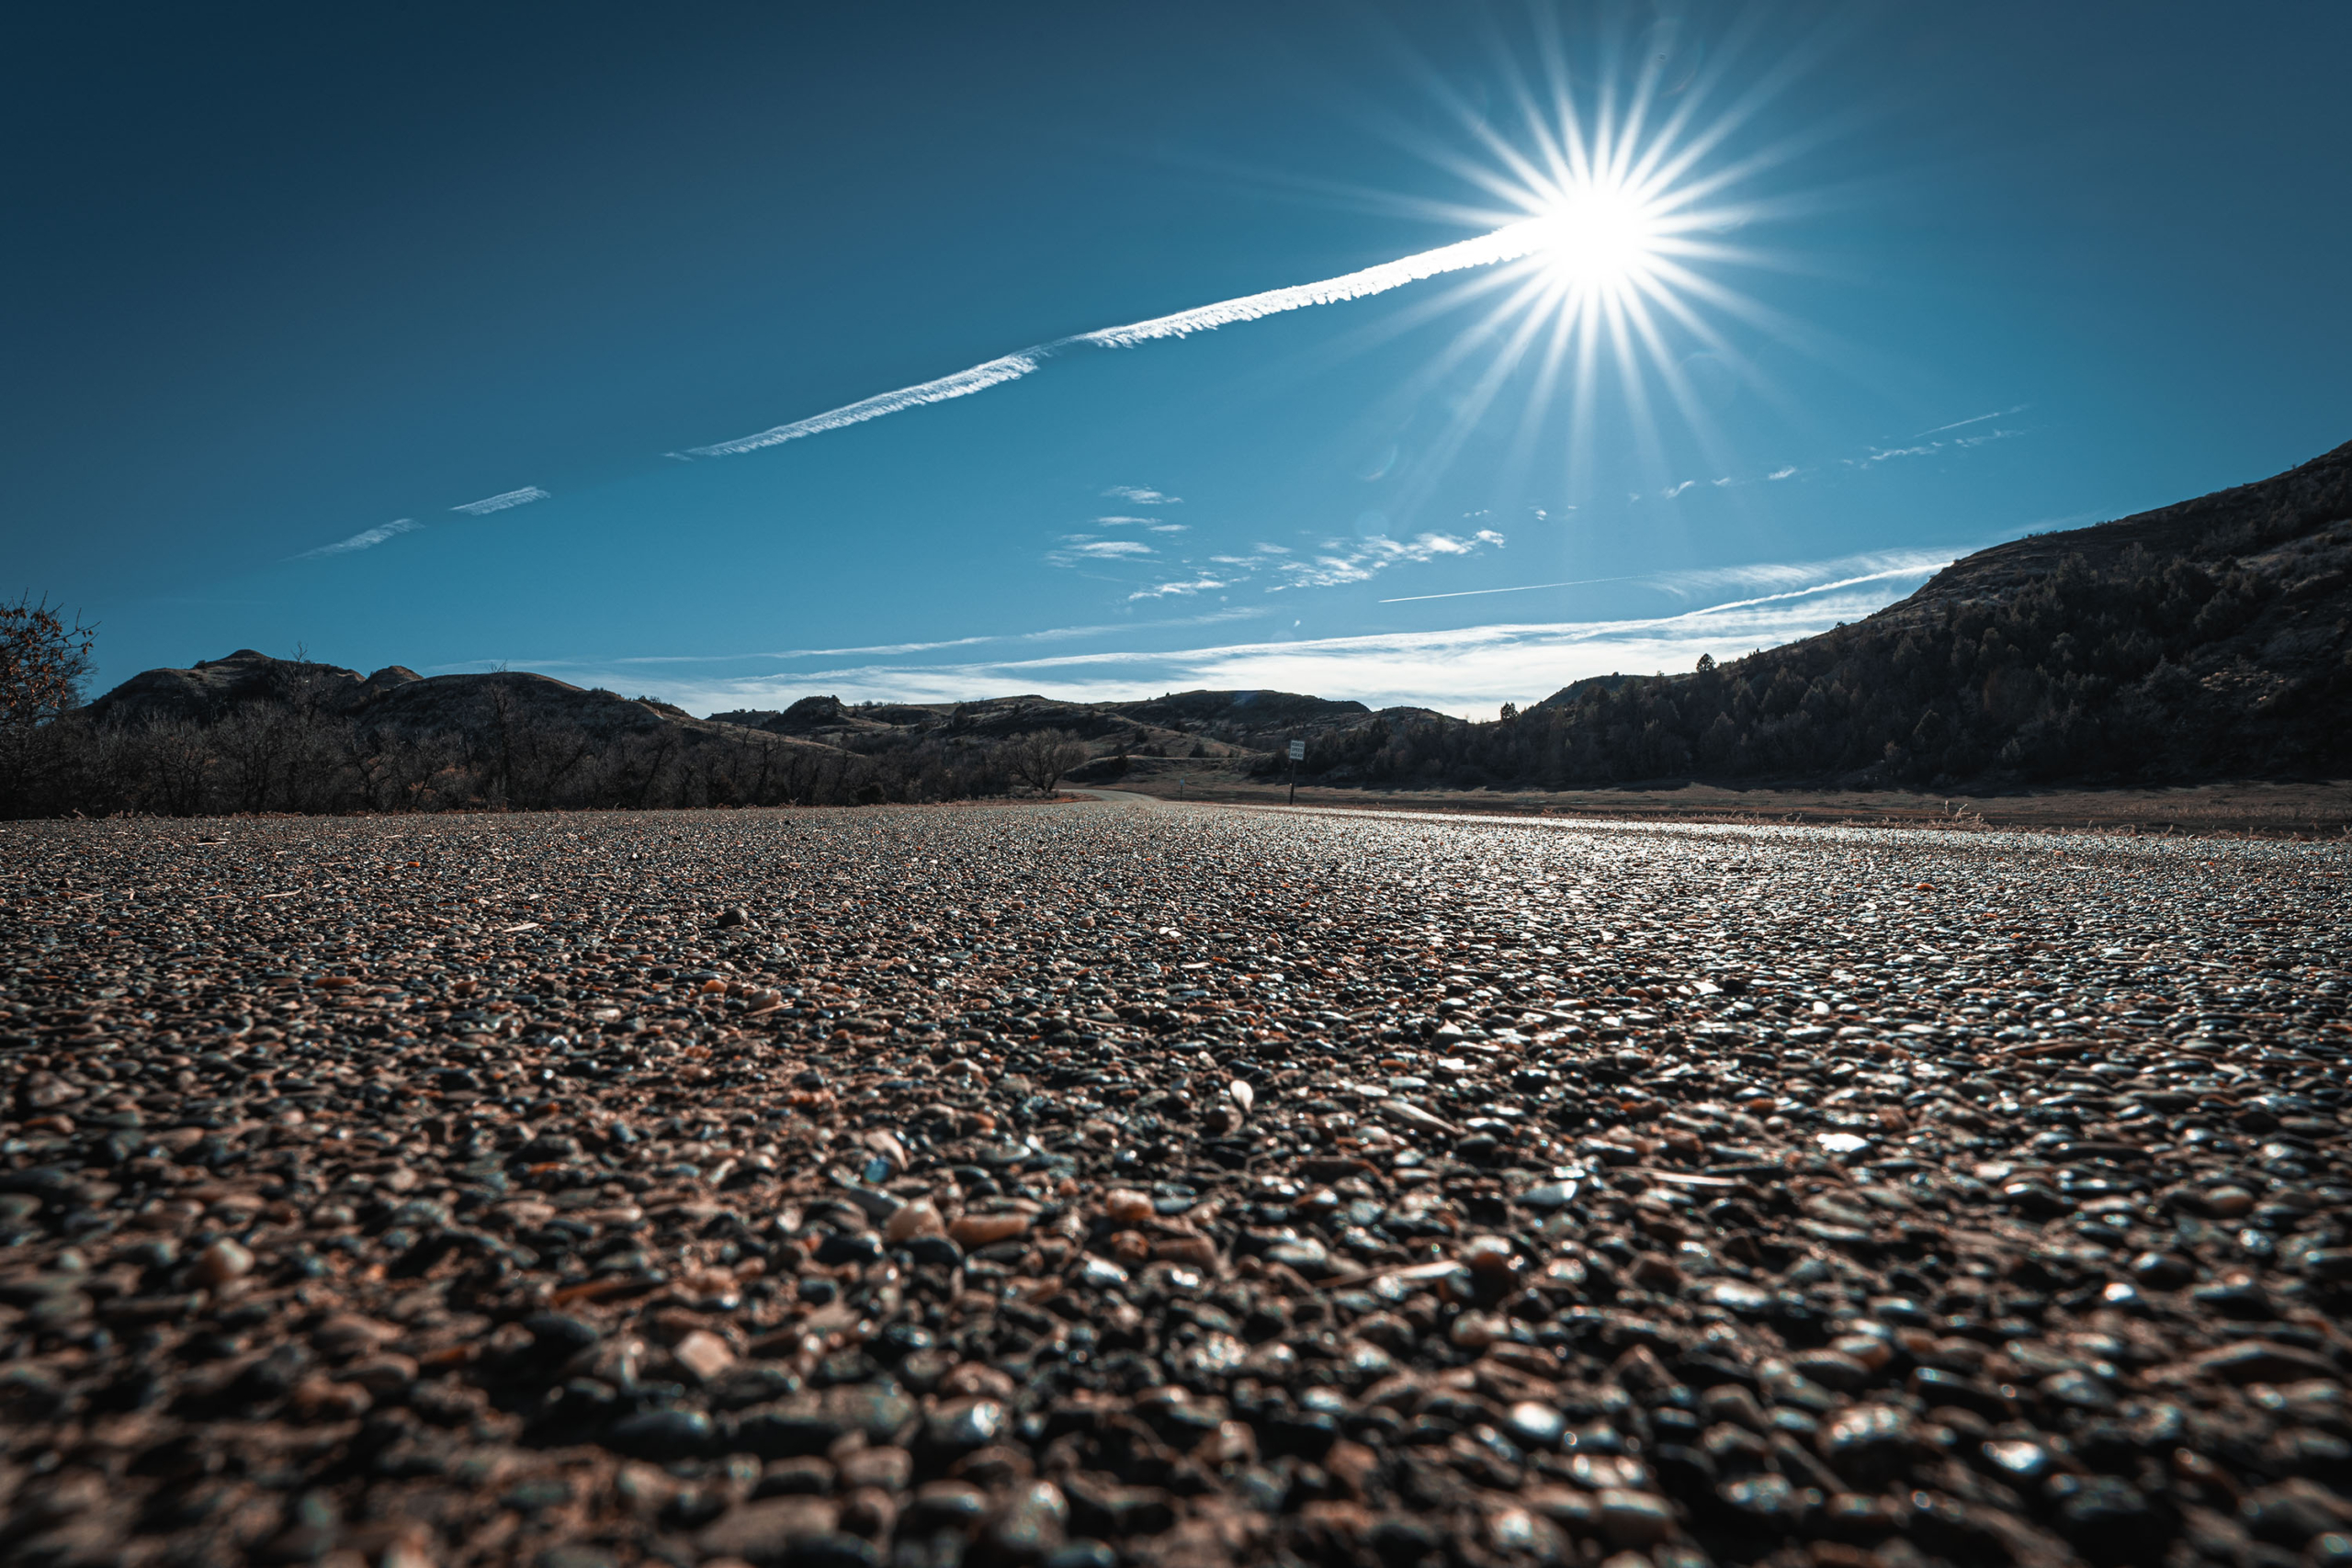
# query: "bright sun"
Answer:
x=1601 y=237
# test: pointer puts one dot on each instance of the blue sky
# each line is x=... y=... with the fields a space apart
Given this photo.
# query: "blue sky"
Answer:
x=392 y=332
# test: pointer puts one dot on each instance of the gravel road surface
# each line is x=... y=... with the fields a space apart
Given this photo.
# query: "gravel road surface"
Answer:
x=1106 y=1182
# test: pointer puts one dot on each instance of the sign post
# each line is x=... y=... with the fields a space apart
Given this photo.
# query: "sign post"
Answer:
x=1297 y=755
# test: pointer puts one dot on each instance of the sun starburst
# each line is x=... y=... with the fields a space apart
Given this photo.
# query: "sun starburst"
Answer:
x=1623 y=195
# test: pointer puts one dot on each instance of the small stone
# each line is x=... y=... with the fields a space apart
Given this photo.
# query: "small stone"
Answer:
x=661 y=1435
x=223 y=1261
x=919 y=1218
x=1031 y=1523
x=946 y=1505
x=350 y=1334
x=2292 y=1513
x=2107 y=1519
x=1548 y=1198
x=704 y=1355
x=1868 y=1444
x=2080 y=1390
x=1534 y=1425
x=768 y=1533
x=885 y=1466
x=1833 y=1369
x=1767 y=1499
x=2260 y=1360
x=1634 y=1518
x=986 y=1230
x=963 y=1425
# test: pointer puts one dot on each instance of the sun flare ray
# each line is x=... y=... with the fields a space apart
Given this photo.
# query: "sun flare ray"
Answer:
x=1610 y=204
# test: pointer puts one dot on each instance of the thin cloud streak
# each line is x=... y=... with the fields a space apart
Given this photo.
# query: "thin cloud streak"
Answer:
x=1522 y=588
x=491 y=503
x=1870 y=566
x=1978 y=419
x=1371 y=557
x=1471 y=668
x=1798 y=576
x=367 y=539
x=1510 y=243
x=1049 y=634
x=962 y=384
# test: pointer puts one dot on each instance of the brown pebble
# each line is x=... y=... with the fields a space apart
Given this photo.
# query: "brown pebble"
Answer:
x=223 y=1261
x=986 y=1230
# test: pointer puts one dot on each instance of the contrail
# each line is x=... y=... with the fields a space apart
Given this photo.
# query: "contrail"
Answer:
x=1504 y=245
x=1522 y=588
x=491 y=503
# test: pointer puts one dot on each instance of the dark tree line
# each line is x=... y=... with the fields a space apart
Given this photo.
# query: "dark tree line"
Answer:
x=2138 y=669
x=287 y=756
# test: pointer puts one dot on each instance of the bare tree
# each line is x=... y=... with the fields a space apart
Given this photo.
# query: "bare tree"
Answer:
x=1040 y=758
x=253 y=744
x=177 y=763
x=43 y=661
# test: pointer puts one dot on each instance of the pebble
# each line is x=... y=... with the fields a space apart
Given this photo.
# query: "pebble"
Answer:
x=1084 y=1184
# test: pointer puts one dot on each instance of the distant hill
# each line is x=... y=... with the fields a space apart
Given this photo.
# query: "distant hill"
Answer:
x=2207 y=638
x=395 y=696
x=1181 y=724
x=250 y=732
x=253 y=733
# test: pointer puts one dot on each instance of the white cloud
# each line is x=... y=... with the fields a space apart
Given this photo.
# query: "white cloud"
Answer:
x=491 y=503
x=1808 y=575
x=1366 y=559
x=1181 y=589
x=1077 y=550
x=1672 y=491
x=1143 y=495
x=366 y=540
x=1471 y=669
x=1782 y=472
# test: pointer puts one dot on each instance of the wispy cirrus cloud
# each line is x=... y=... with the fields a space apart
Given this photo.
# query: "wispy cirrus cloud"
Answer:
x=877 y=649
x=1472 y=668
x=1810 y=575
x=1874 y=456
x=1150 y=525
x=367 y=539
x=1181 y=587
x=1077 y=547
x=1144 y=495
x=1928 y=448
x=1787 y=579
x=1976 y=419
x=1334 y=563
x=491 y=503
x=1363 y=560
